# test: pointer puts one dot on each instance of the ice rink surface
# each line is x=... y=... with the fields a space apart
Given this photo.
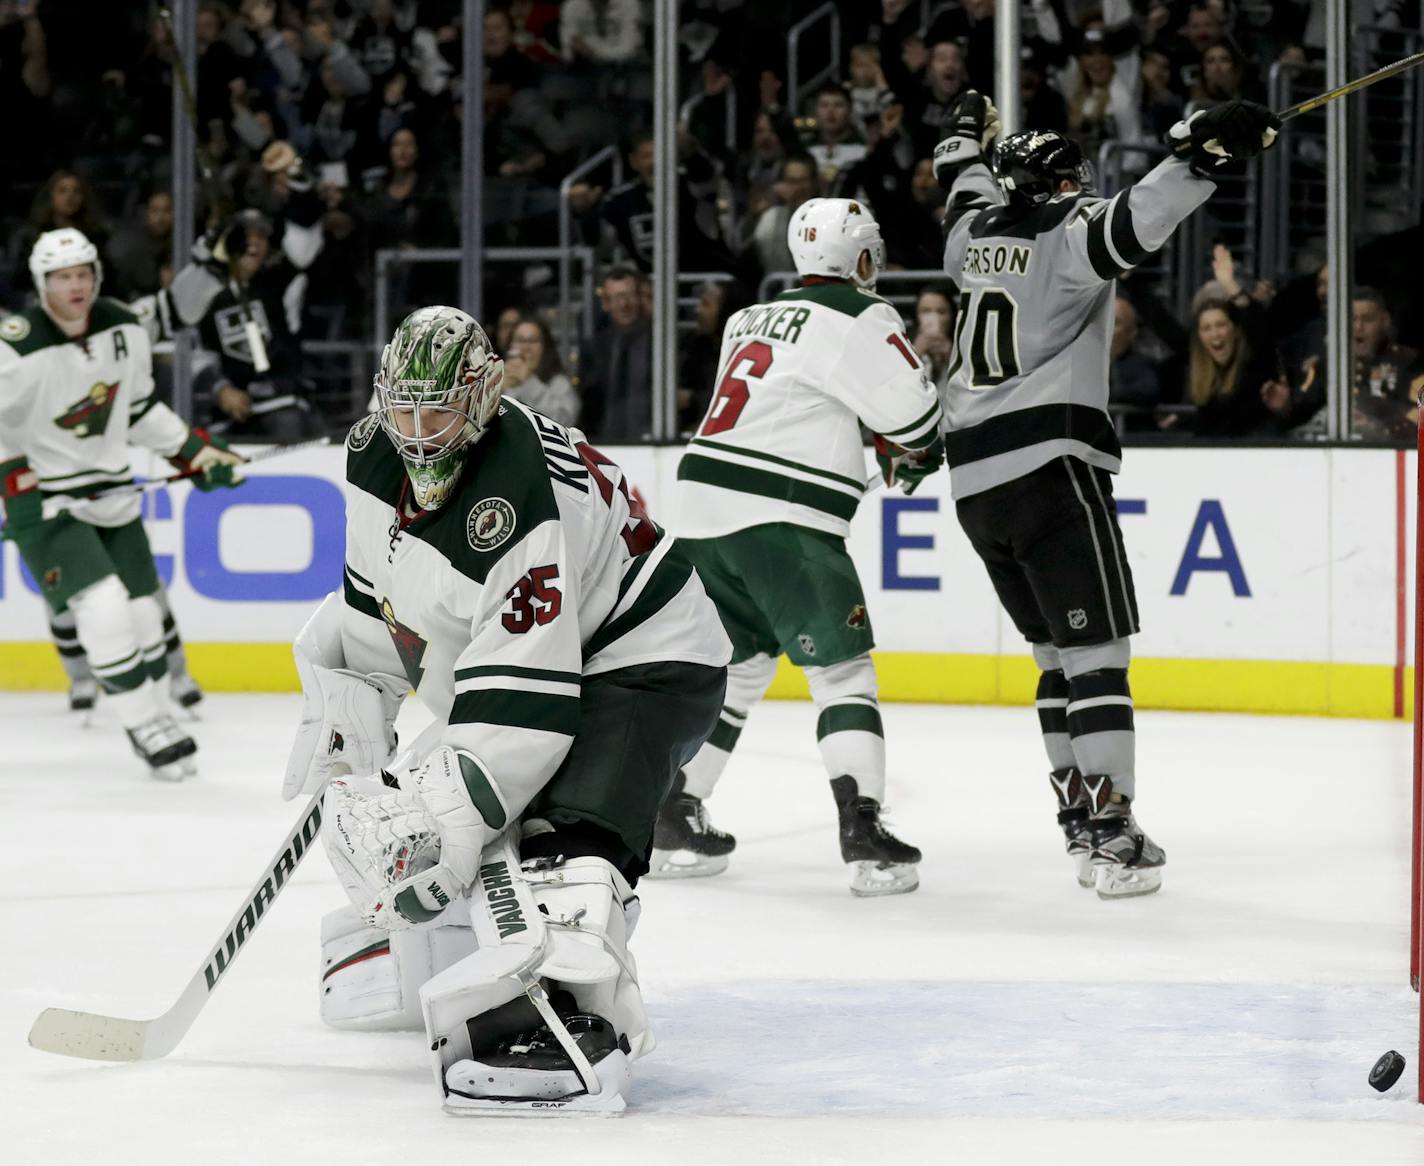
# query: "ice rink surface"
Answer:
x=998 y=1015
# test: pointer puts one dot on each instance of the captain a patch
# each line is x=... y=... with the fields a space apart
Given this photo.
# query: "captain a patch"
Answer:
x=490 y=525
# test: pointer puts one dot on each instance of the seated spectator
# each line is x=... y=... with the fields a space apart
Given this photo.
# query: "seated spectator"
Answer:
x=603 y=32
x=1132 y=377
x=504 y=325
x=933 y=332
x=506 y=65
x=910 y=218
x=837 y=146
x=534 y=374
x=535 y=23
x=1203 y=27
x=405 y=209
x=140 y=250
x=65 y=200
x=616 y=371
x=800 y=180
x=379 y=42
x=1388 y=380
x=700 y=353
x=1222 y=76
x=1230 y=361
x=869 y=93
x=1043 y=106
x=773 y=137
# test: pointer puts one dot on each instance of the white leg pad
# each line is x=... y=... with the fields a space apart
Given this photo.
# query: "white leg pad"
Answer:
x=577 y=943
x=371 y=978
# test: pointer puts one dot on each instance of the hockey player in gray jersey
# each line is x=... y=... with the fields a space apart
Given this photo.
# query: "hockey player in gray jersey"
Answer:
x=1029 y=442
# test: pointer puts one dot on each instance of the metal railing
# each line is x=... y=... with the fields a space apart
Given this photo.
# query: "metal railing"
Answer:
x=389 y=259
x=794 y=84
x=606 y=156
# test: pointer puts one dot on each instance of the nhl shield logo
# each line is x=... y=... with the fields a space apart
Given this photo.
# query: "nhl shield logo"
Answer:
x=490 y=525
x=808 y=645
x=1077 y=619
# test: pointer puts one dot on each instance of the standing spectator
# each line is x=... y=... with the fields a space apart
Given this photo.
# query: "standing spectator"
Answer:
x=1101 y=102
x=218 y=67
x=65 y=200
x=971 y=24
x=945 y=79
x=605 y=32
x=1132 y=377
x=1159 y=108
x=799 y=181
x=140 y=251
x=1222 y=76
x=1043 y=106
x=535 y=22
x=404 y=208
x=1203 y=28
x=837 y=146
x=1230 y=362
x=617 y=389
x=534 y=374
x=869 y=93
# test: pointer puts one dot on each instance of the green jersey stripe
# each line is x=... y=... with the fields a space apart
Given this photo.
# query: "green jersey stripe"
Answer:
x=360 y=601
x=519 y=710
x=139 y=410
x=667 y=580
x=360 y=578
x=780 y=461
x=915 y=426
x=482 y=793
x=745 y=480
x=519 y=671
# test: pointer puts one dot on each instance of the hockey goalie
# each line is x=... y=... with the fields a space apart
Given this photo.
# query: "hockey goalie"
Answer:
x=499 y=566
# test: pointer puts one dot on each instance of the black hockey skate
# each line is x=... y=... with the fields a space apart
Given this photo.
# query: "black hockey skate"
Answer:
x=83 y=693
x=880 y=863
x=165 y=748
x=531 y=1069
x=1124 y=860
x=685 y=843
x=184 y=689
x=1073 y=819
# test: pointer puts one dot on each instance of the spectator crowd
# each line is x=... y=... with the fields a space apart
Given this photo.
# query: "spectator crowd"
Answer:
x=334 y=129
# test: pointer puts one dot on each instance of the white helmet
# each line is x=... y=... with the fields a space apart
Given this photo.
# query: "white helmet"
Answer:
x=56 y=250
x=827 y=236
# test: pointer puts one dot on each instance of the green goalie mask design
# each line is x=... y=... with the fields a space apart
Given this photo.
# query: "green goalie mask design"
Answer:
x=437 y=390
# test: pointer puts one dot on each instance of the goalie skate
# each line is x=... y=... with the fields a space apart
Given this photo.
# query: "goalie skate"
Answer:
x=685 y=843
x=880 y=863
x=1125 y=862
x=1073 y=820
x=164 y=748
x=532 y=1073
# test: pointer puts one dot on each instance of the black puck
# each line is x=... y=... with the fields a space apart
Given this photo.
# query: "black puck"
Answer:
x=1387 y=1070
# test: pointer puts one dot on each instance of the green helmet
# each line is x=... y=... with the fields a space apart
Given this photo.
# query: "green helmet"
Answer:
x=437 y=390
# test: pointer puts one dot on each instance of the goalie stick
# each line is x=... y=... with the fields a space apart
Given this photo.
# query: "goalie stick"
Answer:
x=113 y=1038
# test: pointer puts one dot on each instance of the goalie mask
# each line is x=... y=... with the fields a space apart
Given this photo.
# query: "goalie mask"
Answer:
x=437 y=391
x=827 y=237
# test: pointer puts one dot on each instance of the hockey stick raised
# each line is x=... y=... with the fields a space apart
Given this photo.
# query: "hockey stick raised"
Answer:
x=113 y=1038
x=260 y=455
x=1354 y=86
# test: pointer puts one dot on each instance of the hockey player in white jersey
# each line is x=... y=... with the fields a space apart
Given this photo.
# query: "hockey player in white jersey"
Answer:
x=765 y=494
x=76 y=388
x=499 y=566
x=1030 y=446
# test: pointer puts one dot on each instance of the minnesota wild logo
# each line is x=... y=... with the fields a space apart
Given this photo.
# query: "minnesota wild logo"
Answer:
x=89 y=416
x=410 y=647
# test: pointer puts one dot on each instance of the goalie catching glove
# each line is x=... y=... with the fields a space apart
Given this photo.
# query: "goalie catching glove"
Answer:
x=967 y=130
x=908 y=467
x=406 y=855
x=1230 y=132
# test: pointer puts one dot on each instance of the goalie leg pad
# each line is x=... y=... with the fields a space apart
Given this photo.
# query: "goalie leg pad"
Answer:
x=554 y=929
x=371 y=978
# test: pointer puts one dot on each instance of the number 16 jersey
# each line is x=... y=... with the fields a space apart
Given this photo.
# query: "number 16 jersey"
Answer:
x=797 y=378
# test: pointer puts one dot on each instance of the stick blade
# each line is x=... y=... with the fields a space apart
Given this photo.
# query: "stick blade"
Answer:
x=88 y=1035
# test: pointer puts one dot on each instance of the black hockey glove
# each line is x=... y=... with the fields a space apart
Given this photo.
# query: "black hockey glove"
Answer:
x=967 y=130
x=1230 y=132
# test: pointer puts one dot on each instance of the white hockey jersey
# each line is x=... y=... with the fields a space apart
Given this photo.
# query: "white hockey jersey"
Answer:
x=73 y=407
x=540 y=570
x=797 y=378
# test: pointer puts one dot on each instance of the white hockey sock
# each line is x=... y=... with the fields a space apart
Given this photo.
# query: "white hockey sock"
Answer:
x=104 y=621
x=852 y=742
x=147 y=618
x=746 y=682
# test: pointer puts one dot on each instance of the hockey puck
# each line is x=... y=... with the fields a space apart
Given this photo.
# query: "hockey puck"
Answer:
x=1386 y=1071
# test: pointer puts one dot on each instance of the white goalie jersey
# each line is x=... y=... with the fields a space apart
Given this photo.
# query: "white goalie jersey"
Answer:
x=540 y=570
x=797 y=379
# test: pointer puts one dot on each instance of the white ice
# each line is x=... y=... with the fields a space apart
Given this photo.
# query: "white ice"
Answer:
x=998 y=1015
